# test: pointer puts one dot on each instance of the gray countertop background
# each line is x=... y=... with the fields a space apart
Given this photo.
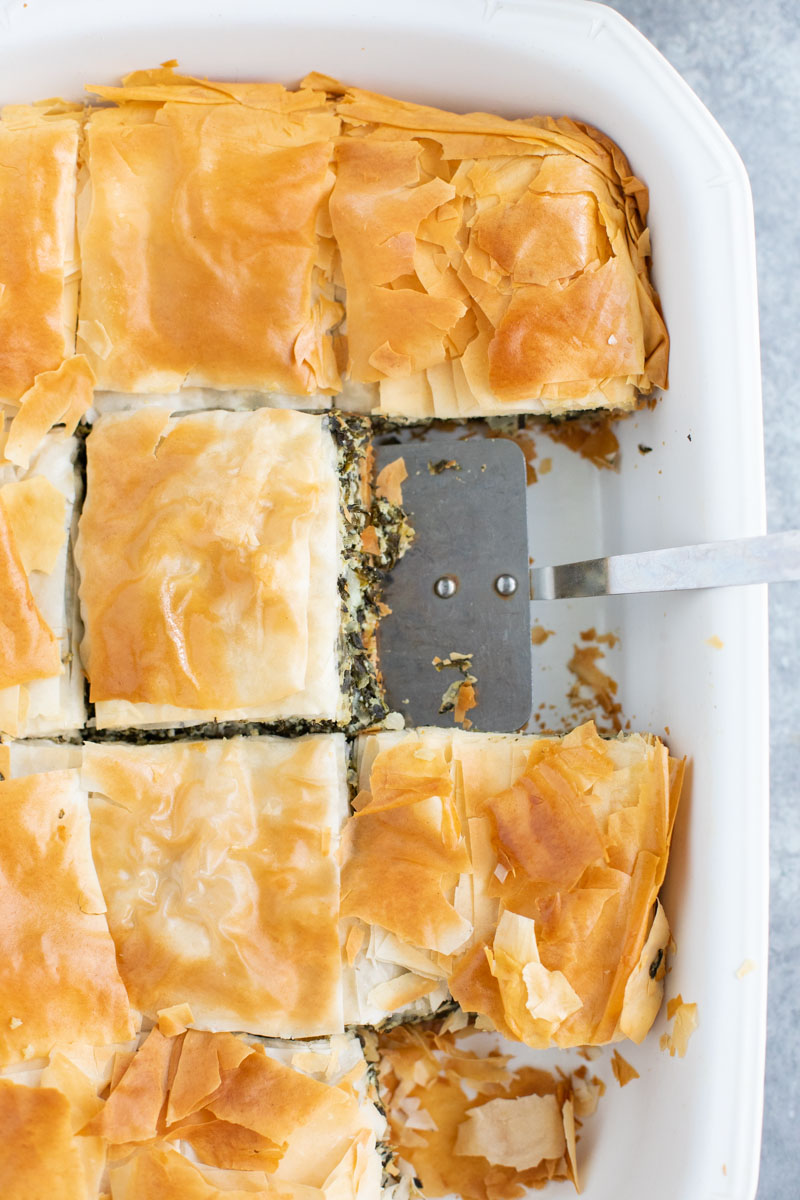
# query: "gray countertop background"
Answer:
x=743 y=60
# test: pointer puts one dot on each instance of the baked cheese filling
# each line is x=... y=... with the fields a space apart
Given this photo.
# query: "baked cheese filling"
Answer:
x=41 y=683
x=218 y=862
x=519 y=872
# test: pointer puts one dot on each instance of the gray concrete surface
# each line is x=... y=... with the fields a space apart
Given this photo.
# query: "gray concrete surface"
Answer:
x=743 y=60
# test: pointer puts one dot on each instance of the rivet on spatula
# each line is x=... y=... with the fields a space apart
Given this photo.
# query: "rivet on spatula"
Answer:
x=446 y=586
x=505 y=585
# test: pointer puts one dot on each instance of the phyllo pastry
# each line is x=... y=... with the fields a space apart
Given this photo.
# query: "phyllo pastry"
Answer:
x=212 y=554
x=521 y=872
x=42 y=1111
x=205 y=1115
x=467 y=1118
x=59 y=981
x=196 y=1115
x=491 y=266
x=204 y=237
x=218 y=863
x=41 y=683
x=38 y=267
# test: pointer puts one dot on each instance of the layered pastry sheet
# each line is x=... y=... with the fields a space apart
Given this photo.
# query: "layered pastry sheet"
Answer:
x=210 y=551
x=38 y=264
x=41 y=683
x=194 y=890
x=490 y=266
x=218 y=861
x=520 y=872
x=218 y=870
x=245 y=251
x=466 y=1118
x=204 y=247
x=59 y=981
x=244 y=244
x=518 y=875
x=190 y=1114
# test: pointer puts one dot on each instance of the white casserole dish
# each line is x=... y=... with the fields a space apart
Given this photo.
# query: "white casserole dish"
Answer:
x=688 y=1128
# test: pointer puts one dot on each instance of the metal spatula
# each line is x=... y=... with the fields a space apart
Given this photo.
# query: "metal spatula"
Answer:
x=462 y=588
x=771 y=558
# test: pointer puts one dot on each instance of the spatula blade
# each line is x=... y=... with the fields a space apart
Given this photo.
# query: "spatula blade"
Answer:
x=466 y=502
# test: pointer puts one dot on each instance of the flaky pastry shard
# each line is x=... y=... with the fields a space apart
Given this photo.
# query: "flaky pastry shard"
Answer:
x=59 y=397
x=550 y=851
x=196 y=1115
x=38 y=268
x=466 y=1121
x=208 y=554
x=204 y=1115
x=218 y=863
x=60 y=981
x=204 y=239
x=490 y=266
x=41 y=1157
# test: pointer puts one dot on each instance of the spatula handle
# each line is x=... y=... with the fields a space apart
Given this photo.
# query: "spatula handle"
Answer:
x=771 y=558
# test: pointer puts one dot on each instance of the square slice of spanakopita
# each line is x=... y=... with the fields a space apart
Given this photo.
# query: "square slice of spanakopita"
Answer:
x=218 y=863
x=519 y=874
x=41 y=682
x=222 y=575
x=210 y=1114
x=59 y=983
x=205 y=243
x=193 y=1114
x=490 y=266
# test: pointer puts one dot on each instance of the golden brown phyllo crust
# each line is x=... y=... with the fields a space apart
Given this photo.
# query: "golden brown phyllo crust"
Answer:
x=209 y=561
x=323 y=241
x=469 y=1122
x=237 y=913
x=202 y=230
x=523 y=870
x=28 y=648
x=60 y=981
x=491 y=265
x=192 y=1114
x=38 y=156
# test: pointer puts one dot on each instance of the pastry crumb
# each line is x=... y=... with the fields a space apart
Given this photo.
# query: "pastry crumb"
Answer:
x=623 y=1071
x=388 y=485
x=601 y=687
x=443 y=464
x=467 y=700
x=685 y=1017
x=369 y=540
